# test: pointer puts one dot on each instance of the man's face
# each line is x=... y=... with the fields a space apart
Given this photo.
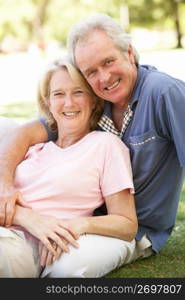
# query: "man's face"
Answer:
x=111 y=74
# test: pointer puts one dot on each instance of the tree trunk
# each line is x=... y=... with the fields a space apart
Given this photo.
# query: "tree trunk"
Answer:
x=124 y=17
x=39 y=21
x=177 y=23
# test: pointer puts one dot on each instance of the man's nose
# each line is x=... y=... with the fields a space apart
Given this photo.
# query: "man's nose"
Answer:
x=104 y=76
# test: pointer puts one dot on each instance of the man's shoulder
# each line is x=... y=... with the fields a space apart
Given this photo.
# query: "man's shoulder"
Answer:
x=158 y=80
x=156 y=84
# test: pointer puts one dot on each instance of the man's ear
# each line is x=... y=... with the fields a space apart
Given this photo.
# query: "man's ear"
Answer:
x=131 y=55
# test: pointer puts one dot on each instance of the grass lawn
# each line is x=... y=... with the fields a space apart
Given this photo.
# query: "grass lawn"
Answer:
x=19 y=111
x=170 y=262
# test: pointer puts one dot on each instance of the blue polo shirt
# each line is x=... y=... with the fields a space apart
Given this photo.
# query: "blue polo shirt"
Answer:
x=156 y=139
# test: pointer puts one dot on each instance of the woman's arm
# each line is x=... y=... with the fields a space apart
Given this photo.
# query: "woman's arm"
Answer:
x=120 y=222
x=12 y=151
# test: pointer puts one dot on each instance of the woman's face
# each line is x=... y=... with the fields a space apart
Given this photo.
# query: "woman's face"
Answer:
x=70 y=105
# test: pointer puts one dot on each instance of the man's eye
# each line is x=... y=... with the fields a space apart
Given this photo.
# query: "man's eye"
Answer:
x=91 y=73
x=108 y=62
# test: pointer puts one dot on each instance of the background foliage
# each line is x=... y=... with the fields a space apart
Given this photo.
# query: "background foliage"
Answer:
x=43 y=20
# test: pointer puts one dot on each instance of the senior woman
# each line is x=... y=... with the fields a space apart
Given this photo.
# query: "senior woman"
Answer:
x=63 y=182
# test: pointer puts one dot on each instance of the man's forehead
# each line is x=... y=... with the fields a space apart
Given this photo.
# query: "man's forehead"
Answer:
x=87 y=60
x=94 y=38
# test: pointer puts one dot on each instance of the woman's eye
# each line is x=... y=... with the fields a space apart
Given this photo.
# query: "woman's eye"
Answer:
x=58 y=94
x=78 y=92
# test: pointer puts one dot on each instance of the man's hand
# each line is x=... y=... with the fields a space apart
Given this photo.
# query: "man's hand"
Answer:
x=9 y=197
x=14 y=147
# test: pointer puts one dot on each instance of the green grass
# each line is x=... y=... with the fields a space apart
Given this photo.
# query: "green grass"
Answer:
x=170 y=262
x=19 y=111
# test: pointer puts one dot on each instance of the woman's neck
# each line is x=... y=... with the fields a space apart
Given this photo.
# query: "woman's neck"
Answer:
x=66 y=140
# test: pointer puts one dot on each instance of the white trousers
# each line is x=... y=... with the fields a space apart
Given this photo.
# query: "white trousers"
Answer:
x=18 y=256
x=96 y=256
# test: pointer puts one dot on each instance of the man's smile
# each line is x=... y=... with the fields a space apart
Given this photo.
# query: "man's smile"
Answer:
x=112 y=86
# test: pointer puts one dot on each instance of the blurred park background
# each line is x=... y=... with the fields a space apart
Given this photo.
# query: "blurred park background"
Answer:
x=34 y=32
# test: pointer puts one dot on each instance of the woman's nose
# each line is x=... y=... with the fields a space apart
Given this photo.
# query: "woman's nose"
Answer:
x=68 y=101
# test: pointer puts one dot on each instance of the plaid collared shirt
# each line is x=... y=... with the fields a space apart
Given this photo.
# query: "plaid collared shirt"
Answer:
x=108 y=125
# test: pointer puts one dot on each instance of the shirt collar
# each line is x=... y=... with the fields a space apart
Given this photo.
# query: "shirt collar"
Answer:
x=142 y=71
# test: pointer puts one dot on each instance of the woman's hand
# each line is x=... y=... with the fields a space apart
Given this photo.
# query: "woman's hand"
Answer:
x=77 y=226
x=46 y=257
x=47 y=229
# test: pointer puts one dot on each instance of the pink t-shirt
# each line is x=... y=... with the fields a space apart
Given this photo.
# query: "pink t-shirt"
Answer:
x=73 y=181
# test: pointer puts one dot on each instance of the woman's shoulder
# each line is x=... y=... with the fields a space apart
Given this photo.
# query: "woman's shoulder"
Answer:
x=109 y=139
x=37 y=149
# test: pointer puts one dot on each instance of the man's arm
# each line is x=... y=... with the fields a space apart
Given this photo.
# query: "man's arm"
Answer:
x=13 y=148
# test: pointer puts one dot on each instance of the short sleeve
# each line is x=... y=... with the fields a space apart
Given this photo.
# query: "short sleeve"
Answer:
x=117 y=172
x=52 y=136
x=172 y=118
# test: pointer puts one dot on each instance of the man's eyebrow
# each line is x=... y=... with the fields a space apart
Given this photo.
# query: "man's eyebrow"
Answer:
x=102 y=62
x=107 y=58
x=86 y=71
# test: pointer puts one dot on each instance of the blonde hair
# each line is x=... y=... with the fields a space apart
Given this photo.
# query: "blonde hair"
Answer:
x=43 y=92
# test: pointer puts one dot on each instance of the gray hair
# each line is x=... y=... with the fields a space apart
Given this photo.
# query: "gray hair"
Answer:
x=82 y=30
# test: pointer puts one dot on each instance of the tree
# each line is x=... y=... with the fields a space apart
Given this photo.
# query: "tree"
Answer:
x=152 y=12
x=39 y=21
x=44 y=20
x=175 y=8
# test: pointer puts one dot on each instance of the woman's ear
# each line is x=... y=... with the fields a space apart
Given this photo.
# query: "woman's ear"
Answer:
x=48 y=101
